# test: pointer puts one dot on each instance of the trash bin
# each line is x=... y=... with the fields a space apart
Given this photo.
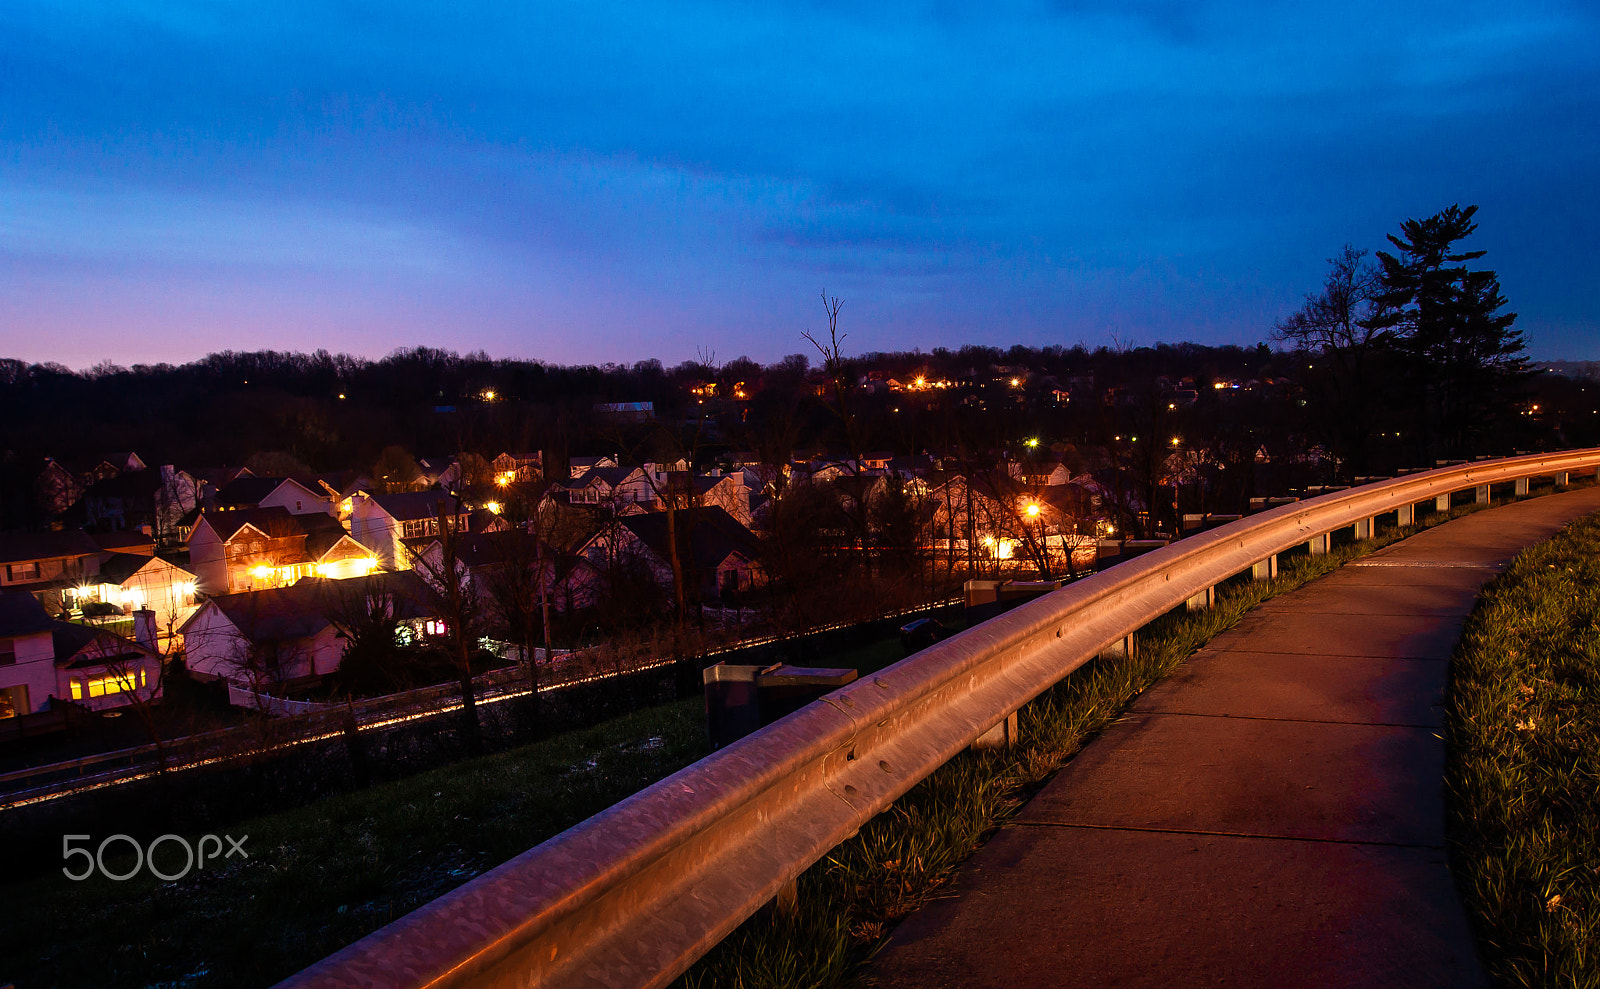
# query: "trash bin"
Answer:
x=741 y=699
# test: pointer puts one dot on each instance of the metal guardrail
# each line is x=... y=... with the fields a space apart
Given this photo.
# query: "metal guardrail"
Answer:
x=634 y=895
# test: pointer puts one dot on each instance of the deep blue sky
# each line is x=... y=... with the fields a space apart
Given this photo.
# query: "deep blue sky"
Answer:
x=612 y=181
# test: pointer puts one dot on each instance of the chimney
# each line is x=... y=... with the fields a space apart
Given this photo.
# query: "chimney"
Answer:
x=144 y=629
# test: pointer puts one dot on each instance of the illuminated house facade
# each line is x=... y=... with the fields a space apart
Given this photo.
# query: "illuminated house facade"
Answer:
x=131 y=582
x=259 y=548
x=41 y=658
x=393 y=526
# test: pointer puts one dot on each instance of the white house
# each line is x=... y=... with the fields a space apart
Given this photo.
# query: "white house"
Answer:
x=41 y=658
x=268 y=640
x=132 y=582
x=272 y=492
x=387 y=524
x=100 y=670
x=263 y=640
x=27 y=655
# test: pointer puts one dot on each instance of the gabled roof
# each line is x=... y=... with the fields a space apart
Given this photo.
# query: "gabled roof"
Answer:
x=709 y=533
x=22 y=614
x=301 y=610
x=21 y=547
x=122 y=566
x=249 y=491
x=219 y=476
x=128 y=484
x=613 y=476
x=407 y=506
x=478 y=549
x=272 y=522
x=125 y=542
x=71 y=641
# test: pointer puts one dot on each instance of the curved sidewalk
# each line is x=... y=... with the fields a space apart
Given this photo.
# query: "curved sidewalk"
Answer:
x=1272 y=814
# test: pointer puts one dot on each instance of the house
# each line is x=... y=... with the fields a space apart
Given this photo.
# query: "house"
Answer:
x=271 y=492
x=389 y=524
x=157 y=499
x=726 y=491
x=716 y=554
x=46 y=563
x=27 y=655
x=440 y=472
x=255 y=548
x=132 y=582
x=582 y=465
x=42 y=659
x=56 y=487
x=286 y=636
x=617 y=487
x=100 y=670
x=568 y=580
x=625 y=411
x=517 y=468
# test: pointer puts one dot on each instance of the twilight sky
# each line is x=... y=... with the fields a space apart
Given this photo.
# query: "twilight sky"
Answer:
x=613 y=181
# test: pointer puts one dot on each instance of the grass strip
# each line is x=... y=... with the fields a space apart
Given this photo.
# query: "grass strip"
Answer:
x=849 y=901
x=322 y=876
x=1524 y=767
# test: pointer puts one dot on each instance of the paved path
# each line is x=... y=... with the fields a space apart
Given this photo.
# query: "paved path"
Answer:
x=1270 y=815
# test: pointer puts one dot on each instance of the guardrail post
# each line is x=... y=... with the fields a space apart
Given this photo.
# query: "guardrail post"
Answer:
x=1365 y=528
x=1001 y=736
x=1318 y=545
x=1266 y=569
x=1406 y=515
x=1521 y=485
x=1123 y=648
x=1442 y=503
x=1480 y=494
x=1202 y=601
x=786 y=902
x=1563 y=478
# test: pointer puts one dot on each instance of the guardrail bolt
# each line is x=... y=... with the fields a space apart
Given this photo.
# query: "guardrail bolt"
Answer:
x=1001 y=736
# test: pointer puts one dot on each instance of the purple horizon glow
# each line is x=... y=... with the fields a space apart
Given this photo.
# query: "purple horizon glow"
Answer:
x=583 y=184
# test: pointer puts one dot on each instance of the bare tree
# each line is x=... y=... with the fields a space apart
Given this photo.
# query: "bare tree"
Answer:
x=451 y=593
x=1342 y=324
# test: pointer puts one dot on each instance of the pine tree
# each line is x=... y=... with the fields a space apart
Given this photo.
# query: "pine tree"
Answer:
x=1467 y=359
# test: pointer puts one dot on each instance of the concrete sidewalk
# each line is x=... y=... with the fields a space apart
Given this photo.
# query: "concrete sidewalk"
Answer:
x=1270 y=815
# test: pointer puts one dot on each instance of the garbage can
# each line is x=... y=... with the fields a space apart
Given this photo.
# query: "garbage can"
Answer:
x=741 y=699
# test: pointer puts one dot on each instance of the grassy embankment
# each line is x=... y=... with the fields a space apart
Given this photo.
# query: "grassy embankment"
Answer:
x=1524 y=771
x=323 y=875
